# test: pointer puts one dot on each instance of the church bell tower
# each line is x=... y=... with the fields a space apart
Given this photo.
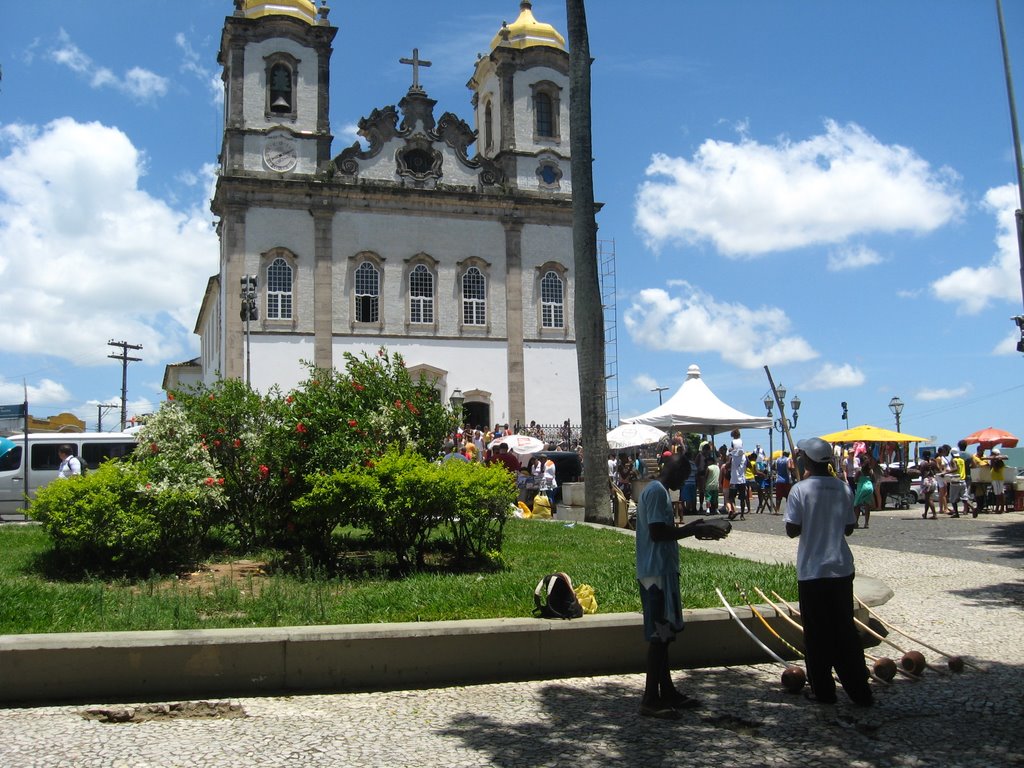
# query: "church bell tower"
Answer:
x=276 y=57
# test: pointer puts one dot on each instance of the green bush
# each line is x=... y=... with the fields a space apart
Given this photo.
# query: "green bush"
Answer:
x=223 y=463
x=403 y=500
x=340 y=498
x=101 y=520
x=477 y=504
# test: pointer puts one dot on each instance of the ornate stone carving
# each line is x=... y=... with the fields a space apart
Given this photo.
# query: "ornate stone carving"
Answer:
x=418 y=161
x=377 y=129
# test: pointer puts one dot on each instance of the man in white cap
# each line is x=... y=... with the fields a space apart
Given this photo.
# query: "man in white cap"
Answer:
x=820 y=512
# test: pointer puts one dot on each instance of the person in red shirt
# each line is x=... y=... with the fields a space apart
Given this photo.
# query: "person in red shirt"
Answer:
x=502 y=455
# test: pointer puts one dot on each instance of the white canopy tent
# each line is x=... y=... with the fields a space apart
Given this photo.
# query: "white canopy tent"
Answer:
x=695 y=408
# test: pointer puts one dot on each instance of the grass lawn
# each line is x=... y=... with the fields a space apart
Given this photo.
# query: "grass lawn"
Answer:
x=242 y=594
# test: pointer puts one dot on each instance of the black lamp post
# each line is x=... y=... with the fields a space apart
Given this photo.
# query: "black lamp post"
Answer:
x=659 y=390
x=896 y=406
x=782 y=423
x=456 y=398
x=768 y=403
x=247 y=313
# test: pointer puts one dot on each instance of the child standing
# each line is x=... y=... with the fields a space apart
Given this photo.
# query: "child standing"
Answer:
x=998 y=469
x=928 y=488
x=864 y=495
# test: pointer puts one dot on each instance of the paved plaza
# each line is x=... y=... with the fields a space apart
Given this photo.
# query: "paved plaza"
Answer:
x=958 y=585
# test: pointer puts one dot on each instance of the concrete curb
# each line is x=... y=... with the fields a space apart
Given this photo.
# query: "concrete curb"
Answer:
x=146 y=666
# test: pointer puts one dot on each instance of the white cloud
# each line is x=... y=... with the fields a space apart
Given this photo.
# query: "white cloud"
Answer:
x=348 y=134
x=749 y=199
x=971 y=289
x=140 y=84
x=856 y=257
x=45 y=392
x=1008 y=346
x=643 y=383
x=693 y=321
x=831 y=376
x=86 y=256
x=192 y=63
x=940 y=393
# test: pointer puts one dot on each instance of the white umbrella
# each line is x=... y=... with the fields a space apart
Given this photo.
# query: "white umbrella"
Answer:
x=631 y=435
x=521 y=444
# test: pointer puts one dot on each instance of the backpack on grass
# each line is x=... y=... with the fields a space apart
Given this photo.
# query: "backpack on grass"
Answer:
x=554 y=598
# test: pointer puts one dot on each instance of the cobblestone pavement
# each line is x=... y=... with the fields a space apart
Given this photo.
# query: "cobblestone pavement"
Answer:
x=960 y=604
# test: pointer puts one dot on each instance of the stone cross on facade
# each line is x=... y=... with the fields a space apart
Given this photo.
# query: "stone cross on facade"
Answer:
x=416 y=63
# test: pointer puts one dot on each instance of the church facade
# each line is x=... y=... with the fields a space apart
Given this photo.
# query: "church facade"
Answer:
x=448 y=242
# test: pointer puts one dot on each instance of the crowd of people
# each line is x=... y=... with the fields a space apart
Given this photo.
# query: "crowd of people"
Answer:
x=733 y=481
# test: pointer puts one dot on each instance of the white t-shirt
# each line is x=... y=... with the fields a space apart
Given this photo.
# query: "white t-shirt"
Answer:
x=70 y=466
x=822 y=507
x=547 y=481
x=738 y=468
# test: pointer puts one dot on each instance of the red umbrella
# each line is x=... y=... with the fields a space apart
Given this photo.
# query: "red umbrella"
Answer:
x=992 y=436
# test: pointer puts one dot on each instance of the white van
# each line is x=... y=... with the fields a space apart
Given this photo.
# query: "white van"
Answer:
x=18 y=477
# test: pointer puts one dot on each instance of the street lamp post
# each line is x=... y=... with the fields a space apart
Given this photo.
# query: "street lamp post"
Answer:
x=457 y=399
x=896 y=406
x=782 y=423
x=768 y=403
x=659 y=390
x=248 y=313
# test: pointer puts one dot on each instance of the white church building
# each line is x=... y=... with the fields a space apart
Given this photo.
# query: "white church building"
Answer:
x=448 y=242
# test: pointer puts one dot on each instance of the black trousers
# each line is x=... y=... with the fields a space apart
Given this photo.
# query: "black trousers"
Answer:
x=831 y=639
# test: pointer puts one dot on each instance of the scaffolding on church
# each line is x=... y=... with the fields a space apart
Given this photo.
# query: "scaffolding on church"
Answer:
x=606 y=267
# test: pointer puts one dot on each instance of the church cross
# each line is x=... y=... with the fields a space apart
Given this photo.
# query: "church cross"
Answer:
x=416 y=62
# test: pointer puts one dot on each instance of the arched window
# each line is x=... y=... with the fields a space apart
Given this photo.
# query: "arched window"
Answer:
x=421 y=295
x=474 y=297
x=367 y=293
x=488 y=128
x=279 y=290
x=552 y=307
x=545 y=114
x=280 y=97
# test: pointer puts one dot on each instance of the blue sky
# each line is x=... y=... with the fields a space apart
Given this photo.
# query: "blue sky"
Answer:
x=823 y=187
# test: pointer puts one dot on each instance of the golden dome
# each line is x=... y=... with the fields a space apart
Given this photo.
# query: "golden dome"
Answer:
x=303 y=10
x=526 y=31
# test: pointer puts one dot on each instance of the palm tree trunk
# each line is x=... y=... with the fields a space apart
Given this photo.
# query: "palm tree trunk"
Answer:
x=589 y=315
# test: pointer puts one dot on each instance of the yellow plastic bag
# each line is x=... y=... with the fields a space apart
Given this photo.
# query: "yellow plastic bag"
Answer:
x=524 y=510
x=585 y=594
x=541 y=506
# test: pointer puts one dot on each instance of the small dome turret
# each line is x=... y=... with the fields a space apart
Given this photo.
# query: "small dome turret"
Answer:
x=303 y=10
x=526 y=31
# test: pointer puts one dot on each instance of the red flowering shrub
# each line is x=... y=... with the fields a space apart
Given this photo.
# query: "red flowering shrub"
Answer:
x=382 y=406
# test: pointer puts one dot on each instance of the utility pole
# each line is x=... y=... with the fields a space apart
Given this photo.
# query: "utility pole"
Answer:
x=123 y=357
x=1019 y=215
x=100 y=410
